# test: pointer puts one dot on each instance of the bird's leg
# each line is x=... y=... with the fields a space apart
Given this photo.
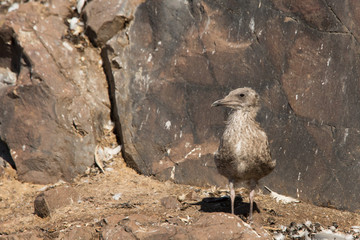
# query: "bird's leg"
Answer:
x=232 y=195
x=251 y=196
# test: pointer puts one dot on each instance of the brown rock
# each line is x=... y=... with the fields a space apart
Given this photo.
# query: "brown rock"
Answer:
x=224 y=226
x=347 y=15
x=208 y=226
x=49 y=201
x=141 y=227
x=107 y=18
x=52 y=118
x=116 y=233
x=80 y=233
x=166 y=62
x=299 y=56
x=190 y=197
x=317 y=14
x=5 y=157
x=32 y=235
x=170 y=202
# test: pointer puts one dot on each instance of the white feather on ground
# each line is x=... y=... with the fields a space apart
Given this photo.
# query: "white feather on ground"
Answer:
x=281 y=198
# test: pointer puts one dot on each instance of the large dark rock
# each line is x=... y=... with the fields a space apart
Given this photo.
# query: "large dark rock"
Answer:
x=52 y=117
x=166 y=62
x=174 y=58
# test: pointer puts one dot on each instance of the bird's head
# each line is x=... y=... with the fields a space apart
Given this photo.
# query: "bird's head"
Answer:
x=242 y=98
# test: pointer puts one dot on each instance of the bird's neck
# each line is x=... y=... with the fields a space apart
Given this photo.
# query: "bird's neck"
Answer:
x=241 y=127
x=241 y=117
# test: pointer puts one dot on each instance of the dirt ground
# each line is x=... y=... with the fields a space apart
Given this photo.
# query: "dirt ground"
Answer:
x=142 y=195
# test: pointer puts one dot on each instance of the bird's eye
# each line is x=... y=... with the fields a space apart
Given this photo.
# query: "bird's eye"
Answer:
x=241 y=95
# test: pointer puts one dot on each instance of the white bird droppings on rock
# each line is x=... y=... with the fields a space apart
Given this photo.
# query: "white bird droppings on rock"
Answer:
x=192 y=151
x=149 y=58
x=7 y=77
x=172 y=174
x=252 y=24
x=67 y=46
x=168 y=125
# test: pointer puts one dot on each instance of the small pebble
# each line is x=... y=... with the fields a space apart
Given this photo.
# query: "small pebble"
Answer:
x=116 y=196
x=318 y=227
x=13 y=7
x=299 y=226
x=283 y=228
x=271 y=221
x=279 y=236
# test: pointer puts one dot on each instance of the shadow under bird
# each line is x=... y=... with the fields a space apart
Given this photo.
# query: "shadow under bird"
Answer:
x=243 y=154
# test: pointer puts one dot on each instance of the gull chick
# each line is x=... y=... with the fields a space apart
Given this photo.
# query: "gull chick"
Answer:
x=243 y=154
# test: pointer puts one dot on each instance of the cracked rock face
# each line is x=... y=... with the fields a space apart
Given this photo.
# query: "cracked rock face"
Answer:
x=174 y=58
x=51 y=117
x=166 y=62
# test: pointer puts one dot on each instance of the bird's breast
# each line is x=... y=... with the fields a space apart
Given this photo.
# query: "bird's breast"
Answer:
x=245 y=141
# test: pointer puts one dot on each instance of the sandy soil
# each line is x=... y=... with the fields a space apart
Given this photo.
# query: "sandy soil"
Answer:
x=142 y=195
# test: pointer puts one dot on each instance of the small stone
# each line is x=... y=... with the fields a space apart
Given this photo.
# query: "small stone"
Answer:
x=299 y=226
x=2 y=171
x=189 y=197
x=78 y=232
x=332 y=228
x=7 y=77
x=292 y=224
x=335 y=224
x=33 y=235
x=271 y=220
x=279 y=236
x=308 y=224
x=47 y=202
x=117 y=196
x=318 y=227
x=283 y=228
x=170 y=202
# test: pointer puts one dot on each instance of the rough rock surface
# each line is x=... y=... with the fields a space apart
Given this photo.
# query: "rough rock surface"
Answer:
x=166 y=62
x=52 y=117
x=33 y=235
x=174 y=58
x=170 y=202
x=139 y=212
x=52 y=199
x=208 y=226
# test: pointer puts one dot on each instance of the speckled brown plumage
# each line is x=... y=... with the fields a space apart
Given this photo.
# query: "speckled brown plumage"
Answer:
x=243 y=154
